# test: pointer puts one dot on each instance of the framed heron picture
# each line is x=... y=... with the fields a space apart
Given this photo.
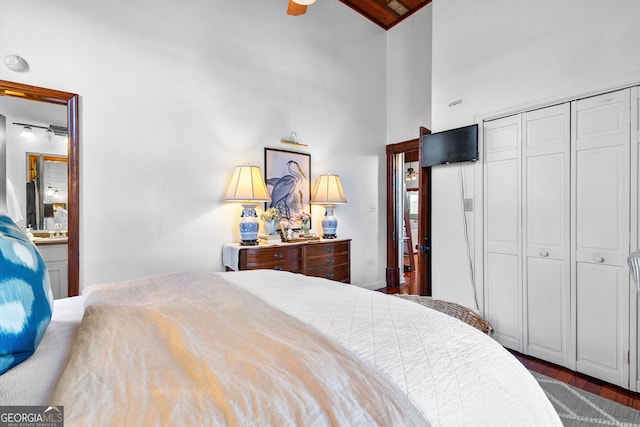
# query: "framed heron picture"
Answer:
x=288 y=178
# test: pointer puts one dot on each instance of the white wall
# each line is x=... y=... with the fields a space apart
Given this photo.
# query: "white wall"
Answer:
x=409 y=77
x=175 y=94
x=501 y=56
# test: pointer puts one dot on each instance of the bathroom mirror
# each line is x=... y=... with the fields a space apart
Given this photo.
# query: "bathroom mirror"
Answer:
x=46 y=209
x=38 y=97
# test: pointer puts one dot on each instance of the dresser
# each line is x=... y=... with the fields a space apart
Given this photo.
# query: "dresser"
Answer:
x=329 y=258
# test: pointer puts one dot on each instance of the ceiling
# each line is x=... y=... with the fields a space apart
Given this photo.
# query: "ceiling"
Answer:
x=386 y=13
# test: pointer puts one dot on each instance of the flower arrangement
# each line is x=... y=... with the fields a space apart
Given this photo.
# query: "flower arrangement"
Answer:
x=271 y=214
x=305 y=220
x=305 y=217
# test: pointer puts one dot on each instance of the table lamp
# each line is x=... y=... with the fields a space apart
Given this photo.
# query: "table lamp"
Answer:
x=328 y=191
x=248 y=187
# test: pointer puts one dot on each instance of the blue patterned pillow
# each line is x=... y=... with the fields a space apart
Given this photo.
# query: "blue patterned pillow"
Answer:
x=26 y=300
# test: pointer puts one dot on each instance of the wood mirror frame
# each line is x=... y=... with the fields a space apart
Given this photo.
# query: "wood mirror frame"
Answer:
x=70 y=100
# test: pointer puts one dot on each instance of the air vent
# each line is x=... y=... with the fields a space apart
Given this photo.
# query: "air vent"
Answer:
x=59 y=130
x=398 y=7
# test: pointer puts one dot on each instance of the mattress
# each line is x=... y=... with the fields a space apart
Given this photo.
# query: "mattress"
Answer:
x=451 y=372
x=32 y=382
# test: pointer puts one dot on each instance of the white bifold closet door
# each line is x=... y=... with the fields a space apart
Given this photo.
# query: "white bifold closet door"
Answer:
x=503 y=269
x=600 y=189
x=546 y=228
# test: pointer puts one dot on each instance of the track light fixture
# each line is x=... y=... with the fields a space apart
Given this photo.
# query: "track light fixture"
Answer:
x=27 y=130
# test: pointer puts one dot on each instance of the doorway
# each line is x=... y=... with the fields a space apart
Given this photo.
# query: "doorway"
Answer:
x=408 y=219
x=70 y=101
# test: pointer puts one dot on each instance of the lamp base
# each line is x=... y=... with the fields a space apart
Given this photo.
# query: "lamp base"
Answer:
x=329 y=223
x=249 y=225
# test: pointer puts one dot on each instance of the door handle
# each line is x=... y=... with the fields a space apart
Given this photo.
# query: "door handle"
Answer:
x=424 y=248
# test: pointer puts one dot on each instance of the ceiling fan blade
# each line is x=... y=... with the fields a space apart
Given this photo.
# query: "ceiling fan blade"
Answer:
x=296 y=9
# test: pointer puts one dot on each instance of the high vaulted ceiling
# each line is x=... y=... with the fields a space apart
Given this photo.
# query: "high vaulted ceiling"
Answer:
x=386 y=13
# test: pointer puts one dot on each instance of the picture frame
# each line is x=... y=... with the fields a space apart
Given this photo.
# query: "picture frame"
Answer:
x=288 y=178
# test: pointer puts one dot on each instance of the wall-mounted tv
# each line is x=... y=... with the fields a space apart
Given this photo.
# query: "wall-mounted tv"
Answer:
x=450 y=146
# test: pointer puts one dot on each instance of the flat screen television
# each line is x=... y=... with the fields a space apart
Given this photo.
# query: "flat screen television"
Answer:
x=450 y=146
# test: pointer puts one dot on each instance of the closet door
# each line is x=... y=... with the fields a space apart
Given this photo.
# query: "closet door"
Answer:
x=503 y=274
x=634 y=296
x=601 y=147
x=546 y=214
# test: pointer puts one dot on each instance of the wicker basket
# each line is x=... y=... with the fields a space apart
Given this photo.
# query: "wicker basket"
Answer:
x=452 y=309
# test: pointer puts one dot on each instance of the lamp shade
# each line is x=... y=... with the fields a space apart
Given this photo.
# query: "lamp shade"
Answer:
x=247 y=185
x=304 y=2
x=328 y=191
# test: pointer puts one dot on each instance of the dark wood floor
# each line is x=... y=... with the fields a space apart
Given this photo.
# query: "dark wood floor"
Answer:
x=583 y=382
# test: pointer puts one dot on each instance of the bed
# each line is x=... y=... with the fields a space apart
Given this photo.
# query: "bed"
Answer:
x=264 y=347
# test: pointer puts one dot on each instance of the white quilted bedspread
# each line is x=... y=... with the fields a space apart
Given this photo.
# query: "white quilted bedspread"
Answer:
x=454 y=374
x=193 y=349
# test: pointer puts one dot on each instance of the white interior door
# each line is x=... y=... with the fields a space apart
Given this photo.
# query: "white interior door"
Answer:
x=546 y=216
x=634 y=296
x=503 y=275
x=601 y=222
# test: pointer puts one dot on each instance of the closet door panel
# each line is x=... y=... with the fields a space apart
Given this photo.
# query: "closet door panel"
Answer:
x=602 y=120
x=503 y=206
x=635 y=236
x=600 y=301
x=502 y=310
x=546 y=193
x=601 y=219
x=546 y=300
x=602 y=204
x=546 y=199
x=502 y=138
x=503 y=272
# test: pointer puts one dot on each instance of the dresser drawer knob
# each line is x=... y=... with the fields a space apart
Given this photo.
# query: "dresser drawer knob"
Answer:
x=278 y=255
x=329 y=276
x=330 y=261
x=278 y=268
x=330 y=250
x=599 y=259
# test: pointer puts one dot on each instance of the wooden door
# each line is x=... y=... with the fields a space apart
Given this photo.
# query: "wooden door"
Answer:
x=600 y=188
x=546 y=215
x=393 y=269
x=503 y=275
x=424 y=224
x=395 y=218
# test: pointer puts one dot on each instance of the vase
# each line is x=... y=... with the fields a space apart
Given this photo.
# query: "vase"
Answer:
x=329 y=223
x=249 y=226
x=304 y=227
x=271 y=226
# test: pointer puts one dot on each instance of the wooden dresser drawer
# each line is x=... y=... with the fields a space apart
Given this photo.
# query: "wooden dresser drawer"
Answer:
x=290 y=265
x=318 y=249
x=280 y=253
x=338 y=273
x=327 y=260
